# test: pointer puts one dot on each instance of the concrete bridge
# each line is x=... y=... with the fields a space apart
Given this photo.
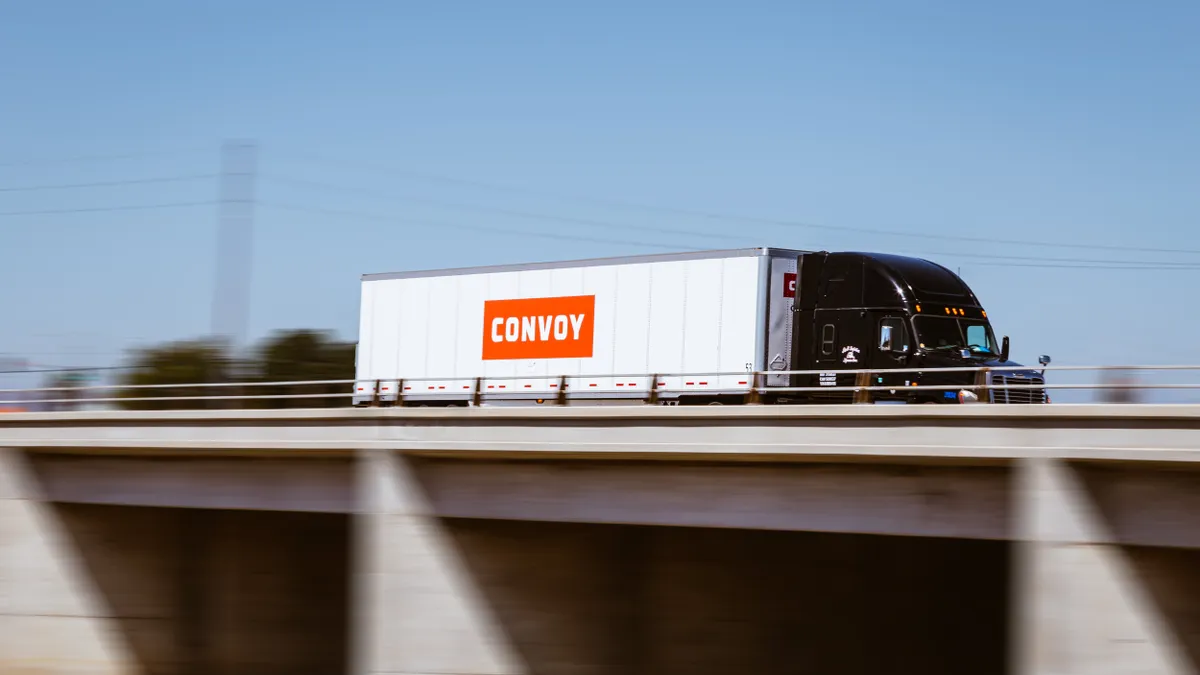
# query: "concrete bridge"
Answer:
x=968 y=539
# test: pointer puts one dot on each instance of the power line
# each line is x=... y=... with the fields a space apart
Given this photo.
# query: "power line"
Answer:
x=476 y=228
x=728 y=217
x=1099 y=262
x=1155 y=268
x=503 y=211
x=109 y=183
x=99 y=209
x=55 y=369
x=105 y=158
x=1121 y=265
x=673 y=231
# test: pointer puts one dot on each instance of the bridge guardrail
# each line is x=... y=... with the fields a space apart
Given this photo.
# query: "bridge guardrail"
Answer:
x=648 y=387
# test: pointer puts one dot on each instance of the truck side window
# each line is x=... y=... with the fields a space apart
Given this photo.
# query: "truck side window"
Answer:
x=892 y=335
x=827 y=339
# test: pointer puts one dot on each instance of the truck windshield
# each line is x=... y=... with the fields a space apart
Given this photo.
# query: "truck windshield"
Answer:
x=935 y=332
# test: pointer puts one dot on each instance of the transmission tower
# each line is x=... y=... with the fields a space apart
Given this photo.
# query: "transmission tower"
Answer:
x=235 y=242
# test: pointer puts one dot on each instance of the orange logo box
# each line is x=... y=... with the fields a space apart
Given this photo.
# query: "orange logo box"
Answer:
x=539 y=328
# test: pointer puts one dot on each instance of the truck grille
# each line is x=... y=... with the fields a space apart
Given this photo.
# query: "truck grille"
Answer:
x=1018 y=395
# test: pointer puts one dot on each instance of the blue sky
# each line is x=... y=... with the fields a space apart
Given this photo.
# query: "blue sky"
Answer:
x=1068 y=122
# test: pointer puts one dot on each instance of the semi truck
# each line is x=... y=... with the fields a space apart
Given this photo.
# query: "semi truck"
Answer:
x=767 y=325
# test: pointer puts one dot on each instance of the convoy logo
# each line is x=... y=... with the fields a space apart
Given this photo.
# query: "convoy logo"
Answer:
x=789 y=285
x=539 y=328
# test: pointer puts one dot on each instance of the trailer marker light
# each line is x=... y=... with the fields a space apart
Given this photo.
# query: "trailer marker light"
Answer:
x=918 y=309
x=741 y=383
x=984 y=313
x=947 y=309
x=529 y=386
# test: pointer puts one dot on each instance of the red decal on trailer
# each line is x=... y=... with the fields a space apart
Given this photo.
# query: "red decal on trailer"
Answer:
x=539 y=328
x=789 y=285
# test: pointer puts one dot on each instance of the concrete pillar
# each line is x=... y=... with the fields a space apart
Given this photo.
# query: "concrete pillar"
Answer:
x=1080 y=607
x=418 y=610
x=52 y=619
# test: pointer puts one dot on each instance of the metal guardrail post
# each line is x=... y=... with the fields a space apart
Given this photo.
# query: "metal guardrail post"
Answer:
x=477 y=396
x=862 y=395
x=755 y=394
x=561 y=397
x=981 y=385
x=652 y=398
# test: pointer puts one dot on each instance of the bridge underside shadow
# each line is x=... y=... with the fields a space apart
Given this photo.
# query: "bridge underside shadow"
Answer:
x=597 y=599
x=219 y=591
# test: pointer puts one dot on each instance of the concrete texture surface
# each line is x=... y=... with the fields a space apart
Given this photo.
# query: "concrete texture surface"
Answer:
x=474 y=548
x=52 y=617
x=307 y=484
x=420 y=612
x=1081 y=605
x=877 y=498
x=942 y=434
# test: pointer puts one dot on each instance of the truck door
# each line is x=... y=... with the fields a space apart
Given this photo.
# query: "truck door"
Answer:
x=890 y=346
x=843 y=343
x=892 y=340
x=841 y=326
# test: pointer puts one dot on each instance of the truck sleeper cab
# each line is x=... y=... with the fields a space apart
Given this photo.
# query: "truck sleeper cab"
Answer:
x=881 y=312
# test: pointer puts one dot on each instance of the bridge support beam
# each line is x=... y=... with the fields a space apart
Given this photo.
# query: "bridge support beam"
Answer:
x=418 y=608
x=1080 y=606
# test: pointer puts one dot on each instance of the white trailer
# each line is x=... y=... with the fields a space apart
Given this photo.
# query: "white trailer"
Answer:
x=702 y=321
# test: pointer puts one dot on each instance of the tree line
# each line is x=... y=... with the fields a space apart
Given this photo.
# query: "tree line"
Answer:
x=286 y=356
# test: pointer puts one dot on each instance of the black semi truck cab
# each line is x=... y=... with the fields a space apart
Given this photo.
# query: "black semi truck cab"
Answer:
x=880 y=312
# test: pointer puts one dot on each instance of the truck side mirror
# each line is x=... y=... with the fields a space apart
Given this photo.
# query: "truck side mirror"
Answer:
x=1044 y=360
x=1004 y=349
